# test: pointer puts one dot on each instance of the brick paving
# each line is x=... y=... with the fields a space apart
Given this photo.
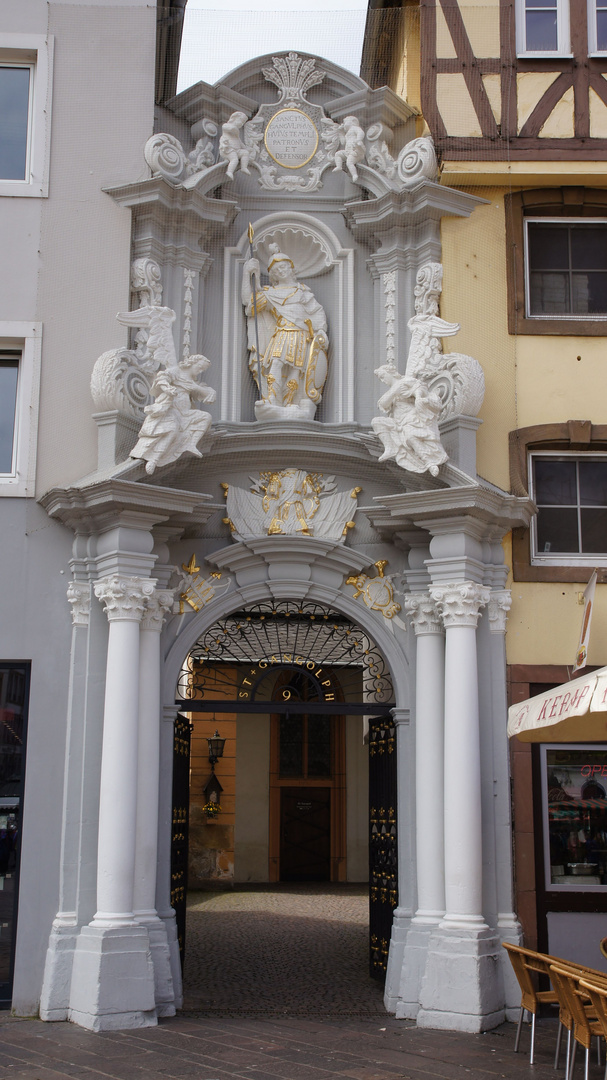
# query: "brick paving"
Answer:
x=283 y=994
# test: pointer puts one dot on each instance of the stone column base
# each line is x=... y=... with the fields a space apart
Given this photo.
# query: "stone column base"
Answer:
x=170 y=926
x=112 y=979
x=462 y=989
x=164 y=993
x=398 y=938
x=414 y=966
x=57 y=980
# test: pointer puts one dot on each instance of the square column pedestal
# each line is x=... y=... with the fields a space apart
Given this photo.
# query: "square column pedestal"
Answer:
x=462 y=986
x=113 y=979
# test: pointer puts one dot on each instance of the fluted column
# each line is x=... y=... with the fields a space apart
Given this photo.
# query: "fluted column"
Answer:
x=429 y=737
x=460 y=606
x=124 y=600
x=148 y=780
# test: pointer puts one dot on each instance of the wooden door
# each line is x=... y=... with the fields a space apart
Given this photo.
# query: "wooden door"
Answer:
x=305 y=834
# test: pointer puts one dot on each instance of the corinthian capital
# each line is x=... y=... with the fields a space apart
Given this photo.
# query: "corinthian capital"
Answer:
x=156 y=608
x=423 y=613
x=460 y=602
x=500 y=603
x=79 y=597
x=124 y=597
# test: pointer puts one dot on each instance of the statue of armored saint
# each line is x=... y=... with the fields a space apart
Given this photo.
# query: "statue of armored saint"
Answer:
x=293 y=340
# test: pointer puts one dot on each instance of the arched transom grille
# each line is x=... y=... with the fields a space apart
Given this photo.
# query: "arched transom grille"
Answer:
x=239 y=657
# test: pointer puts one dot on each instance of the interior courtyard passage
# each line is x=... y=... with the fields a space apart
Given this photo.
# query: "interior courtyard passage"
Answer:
x=280 y=950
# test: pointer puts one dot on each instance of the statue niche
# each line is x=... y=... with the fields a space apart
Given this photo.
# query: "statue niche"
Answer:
x=291 y=333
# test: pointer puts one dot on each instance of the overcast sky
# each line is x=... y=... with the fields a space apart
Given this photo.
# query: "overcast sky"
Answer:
x=216 y=41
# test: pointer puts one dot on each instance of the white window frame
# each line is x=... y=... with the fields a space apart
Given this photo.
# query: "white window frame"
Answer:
x=27 y=338
x=567 y=558
x=36 y=52
x=562 y=31
x=551 y=316
x=593 y=50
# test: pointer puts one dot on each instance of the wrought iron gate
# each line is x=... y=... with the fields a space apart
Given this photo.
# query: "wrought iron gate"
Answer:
x=383 y=865
x=180 y=824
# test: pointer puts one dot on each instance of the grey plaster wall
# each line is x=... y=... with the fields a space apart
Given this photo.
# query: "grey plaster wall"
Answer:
x=35 y=625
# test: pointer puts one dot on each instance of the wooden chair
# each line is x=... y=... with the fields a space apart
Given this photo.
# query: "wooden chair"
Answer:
x=526 y=964
x=573 y=1000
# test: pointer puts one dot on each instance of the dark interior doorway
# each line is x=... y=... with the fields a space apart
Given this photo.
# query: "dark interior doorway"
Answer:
x=305 y=834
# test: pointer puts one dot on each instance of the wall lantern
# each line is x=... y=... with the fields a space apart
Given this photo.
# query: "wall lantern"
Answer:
x=216 y=745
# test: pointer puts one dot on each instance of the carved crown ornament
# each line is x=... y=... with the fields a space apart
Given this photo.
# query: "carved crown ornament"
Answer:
x=292 y=142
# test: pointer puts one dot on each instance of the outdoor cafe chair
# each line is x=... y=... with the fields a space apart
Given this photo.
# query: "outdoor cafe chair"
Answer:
x=573 y=1001
x=526 y=963
x=598 y=997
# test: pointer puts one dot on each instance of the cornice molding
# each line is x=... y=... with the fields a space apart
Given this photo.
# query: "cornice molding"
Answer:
x=90 y=509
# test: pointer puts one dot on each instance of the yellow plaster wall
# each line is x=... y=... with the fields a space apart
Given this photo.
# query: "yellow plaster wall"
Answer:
x=474 y=295
x=545 y=621
x=553 y=385
x=530 y=380
x=482 y=22
x=455 y=106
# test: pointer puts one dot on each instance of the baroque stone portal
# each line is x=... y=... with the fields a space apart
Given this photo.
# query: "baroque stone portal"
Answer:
x=291 y=366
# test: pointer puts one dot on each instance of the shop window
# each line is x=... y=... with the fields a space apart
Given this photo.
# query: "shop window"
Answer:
x=542 y=28
x=570 y=493
x=574 y=812
x=25 y=113
x=20 y=351
x=566 y=269
x=557 y=261
x=597 y=26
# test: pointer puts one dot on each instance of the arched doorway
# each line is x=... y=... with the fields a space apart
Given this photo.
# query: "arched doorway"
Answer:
x=307 y=676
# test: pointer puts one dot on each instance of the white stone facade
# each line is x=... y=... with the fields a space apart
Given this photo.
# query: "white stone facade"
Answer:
x=317 y=510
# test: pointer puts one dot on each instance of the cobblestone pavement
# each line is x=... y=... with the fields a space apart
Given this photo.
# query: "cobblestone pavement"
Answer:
x=276 y=989
x=288 y=950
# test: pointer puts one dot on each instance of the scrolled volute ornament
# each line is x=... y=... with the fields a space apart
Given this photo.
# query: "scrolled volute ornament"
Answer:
x=166 y=157
x=417 y=161
x=118 y=384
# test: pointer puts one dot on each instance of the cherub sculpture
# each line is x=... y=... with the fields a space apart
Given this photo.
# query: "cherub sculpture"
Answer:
x=172 y=425
x=408 y=427
x=345 y=144
x=238 y=153
x=293 y=340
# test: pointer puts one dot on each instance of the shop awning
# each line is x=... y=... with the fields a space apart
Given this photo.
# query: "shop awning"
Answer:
x=573 y=712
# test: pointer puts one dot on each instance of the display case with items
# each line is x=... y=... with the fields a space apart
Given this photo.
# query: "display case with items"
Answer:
x=574 y=799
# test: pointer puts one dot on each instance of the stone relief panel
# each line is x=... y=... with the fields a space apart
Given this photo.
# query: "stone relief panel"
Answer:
x=290 y=502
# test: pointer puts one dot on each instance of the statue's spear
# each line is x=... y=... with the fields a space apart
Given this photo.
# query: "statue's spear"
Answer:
x=251 y=235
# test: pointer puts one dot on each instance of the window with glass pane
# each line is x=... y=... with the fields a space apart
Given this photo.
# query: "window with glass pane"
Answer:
x=567 y=269
x=575 y=816
x=597 y=28
x=14 y=121
x=541 y=26
x=13 y=702
x=571 y=497
x=9 y=373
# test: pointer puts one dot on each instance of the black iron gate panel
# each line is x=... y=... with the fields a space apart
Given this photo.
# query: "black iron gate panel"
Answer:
x=383 y=854
x=180 y=824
